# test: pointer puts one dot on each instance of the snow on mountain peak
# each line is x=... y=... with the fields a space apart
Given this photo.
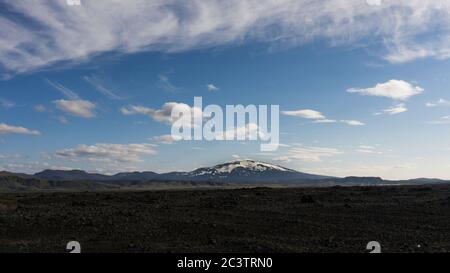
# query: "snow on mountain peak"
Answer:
x=240 y=167
x=248 y=165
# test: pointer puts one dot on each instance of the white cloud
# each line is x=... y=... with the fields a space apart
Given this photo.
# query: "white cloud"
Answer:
x=165 y=113
x=164 y=139
x=374 y=2
x=440 y=102
x=247 y=132
x=308 y=154
x=394 y=110
x=48 y=32
x=325 y=121
x=113 y=153
x=9 y=129
x=79 y=108
x=319 y=117
x=211 y=87
x=366 y=149
x=353 y=122
x=283 y=145
x=394 y=89
x=305 y=113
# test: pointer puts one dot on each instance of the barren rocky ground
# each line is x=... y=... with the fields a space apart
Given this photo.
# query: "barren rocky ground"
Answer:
x=337 y=219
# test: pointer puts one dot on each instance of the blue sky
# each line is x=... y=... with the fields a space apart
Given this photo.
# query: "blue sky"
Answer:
x=377 y=79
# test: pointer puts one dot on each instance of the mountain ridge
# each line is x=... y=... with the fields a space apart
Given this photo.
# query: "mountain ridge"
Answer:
x=240 y=172
x=233 y=171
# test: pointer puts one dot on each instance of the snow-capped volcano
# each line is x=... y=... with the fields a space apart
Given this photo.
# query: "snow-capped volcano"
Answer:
x=239 y=166
x=242 y=171
x=248 y=171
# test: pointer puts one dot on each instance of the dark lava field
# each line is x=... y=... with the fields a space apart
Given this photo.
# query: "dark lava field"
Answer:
x=253 y=220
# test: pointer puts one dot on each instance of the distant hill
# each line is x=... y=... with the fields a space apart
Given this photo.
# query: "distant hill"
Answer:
x=70 y=175
x=135 y=176
x=3 y=173
x=16 y=184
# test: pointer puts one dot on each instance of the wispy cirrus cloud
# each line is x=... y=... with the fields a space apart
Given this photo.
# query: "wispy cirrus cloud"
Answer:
x=66 y=92
x=48 y=32
x=40 y=108
x=439 y=102
x=394 y=110
x=30 y=167
x=62 y=119
x=308 y=154
x=166 y=84
x=109 y=153
x=93 y=81
x=440 y=121
x=72 y=105
x=6 y=104
x=366 y=149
